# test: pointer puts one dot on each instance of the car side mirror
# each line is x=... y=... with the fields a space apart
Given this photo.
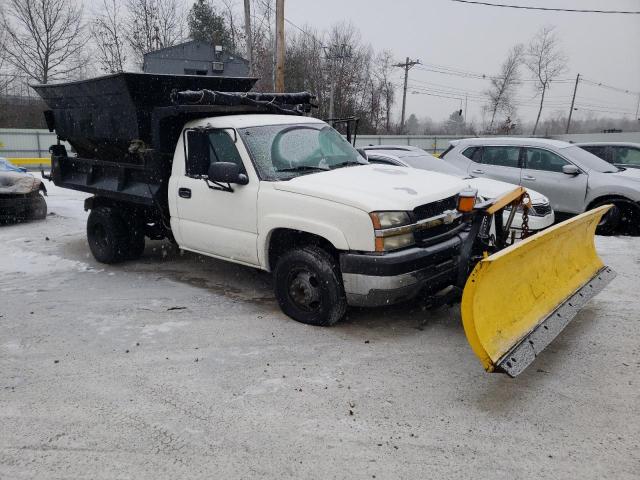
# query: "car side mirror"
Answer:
x=226 y=172
x=570 y=169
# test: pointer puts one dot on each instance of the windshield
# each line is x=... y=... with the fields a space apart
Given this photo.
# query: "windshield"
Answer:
x=589 y=160
x=281 y=152
x=433 y=164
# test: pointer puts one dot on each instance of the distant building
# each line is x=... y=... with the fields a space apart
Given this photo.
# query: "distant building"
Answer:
x=195 y=58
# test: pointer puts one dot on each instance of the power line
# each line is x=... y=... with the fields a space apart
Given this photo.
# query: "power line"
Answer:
x=547 y=9
x=609 y=87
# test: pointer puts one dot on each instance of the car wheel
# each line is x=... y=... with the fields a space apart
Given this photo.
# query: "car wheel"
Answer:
x=308 y=286
x=611 y=220
x=108 y=236
x=38 y=208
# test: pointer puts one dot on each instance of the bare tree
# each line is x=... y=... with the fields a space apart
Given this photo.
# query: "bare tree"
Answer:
x=5 y=76
x=546 y=62
x=231 y=19
x=500 y=93
x=154 y=24
x=384 y=67
x=107 y=30
x=45 y=37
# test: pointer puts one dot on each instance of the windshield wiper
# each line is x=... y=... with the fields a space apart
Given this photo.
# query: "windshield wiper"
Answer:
x=347 y=163
x=303 y=168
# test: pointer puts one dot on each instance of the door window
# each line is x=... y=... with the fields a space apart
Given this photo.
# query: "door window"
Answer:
x=626 y=155
x=501 y=156
x=539 y=159
x=210 y=146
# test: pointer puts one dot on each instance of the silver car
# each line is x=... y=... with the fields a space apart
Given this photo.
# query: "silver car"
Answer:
x=573 y=179
x=621 y=154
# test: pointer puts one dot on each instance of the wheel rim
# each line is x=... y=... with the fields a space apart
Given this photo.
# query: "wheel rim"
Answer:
x=304 y=289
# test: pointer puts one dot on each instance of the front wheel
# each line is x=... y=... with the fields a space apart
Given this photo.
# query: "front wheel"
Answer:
x=610 y=221
x=38 y=208
x=308 y=286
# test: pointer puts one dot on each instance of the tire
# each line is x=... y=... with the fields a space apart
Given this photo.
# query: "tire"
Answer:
x=308 y=286
x=38 y=208
x=108 y=235
x=610 y=222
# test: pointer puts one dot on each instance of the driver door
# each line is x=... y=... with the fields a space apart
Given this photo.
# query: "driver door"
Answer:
x=217 y=222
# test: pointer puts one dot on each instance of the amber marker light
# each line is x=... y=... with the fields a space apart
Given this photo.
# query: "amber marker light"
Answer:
x=467 y=200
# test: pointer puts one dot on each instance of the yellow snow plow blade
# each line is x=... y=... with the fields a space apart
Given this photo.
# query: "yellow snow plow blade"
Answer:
x=516 y=301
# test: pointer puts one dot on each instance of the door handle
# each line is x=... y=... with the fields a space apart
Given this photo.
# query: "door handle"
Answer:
x=477 y=171
x=184 y=192
x=528 y=177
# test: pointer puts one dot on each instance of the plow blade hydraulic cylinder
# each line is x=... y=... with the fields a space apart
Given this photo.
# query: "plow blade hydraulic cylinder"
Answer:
x=516 y=301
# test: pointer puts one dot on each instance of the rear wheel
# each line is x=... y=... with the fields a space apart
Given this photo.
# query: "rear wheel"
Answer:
x=108 y=235
x=308 y=286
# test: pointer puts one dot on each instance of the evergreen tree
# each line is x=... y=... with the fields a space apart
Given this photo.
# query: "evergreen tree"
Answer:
x=207 y=25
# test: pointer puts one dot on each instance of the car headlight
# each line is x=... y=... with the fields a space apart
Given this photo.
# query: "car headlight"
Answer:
x=395 y=242
x=389 y=219
x=392 y=230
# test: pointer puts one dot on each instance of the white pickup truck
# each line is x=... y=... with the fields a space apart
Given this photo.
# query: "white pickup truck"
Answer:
x=222 y=176
x=305 y=205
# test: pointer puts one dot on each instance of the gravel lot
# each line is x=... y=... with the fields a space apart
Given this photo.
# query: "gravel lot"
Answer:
x=180 y=366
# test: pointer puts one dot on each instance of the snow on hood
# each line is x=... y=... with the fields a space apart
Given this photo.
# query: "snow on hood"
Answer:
x=490 y=189
x=376 y=187
x=18 y=183
x=629 y=174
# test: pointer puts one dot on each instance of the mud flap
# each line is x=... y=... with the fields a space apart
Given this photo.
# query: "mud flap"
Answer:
x=516 y=301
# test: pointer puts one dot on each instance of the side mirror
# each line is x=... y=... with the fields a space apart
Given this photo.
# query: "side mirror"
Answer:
x=363 y=153
x=227 y=172
x=570 y=169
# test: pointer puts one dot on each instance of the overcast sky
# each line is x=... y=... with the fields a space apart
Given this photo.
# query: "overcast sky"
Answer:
x=601 y=47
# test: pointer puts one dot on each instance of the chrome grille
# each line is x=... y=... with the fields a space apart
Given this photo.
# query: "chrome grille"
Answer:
x=541 y=209
x=432 y=209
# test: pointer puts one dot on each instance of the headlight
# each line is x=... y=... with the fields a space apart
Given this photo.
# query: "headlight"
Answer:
x=395 y=242
x=392 y=230
x=389 y=219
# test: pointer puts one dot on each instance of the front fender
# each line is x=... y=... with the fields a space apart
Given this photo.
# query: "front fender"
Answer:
x=272 y=222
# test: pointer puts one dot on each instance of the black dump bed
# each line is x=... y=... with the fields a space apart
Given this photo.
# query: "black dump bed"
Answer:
x=124 y=127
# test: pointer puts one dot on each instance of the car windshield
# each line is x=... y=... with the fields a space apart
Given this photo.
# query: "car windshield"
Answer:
x=281 y=152
x=589 y=160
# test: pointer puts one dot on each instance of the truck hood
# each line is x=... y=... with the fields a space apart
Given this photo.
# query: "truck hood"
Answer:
x=490 y=189
x=375 y=187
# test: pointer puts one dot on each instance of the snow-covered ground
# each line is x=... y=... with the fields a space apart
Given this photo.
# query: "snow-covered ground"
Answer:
x=181 y=366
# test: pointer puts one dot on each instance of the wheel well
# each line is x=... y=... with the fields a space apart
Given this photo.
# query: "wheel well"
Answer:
x=150 y=217
x=612 y=198
x=284 y=239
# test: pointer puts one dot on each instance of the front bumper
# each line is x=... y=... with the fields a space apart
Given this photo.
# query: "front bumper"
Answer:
x=374 y=280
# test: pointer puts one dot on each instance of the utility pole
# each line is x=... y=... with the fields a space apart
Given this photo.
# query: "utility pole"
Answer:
x=406 y=65
x=573 y=101
x=279 y=86
x=247 y=33
x=465 y=108
x=638 y=108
